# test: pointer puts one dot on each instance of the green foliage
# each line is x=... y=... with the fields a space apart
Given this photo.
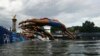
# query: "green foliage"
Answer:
x=87 y=26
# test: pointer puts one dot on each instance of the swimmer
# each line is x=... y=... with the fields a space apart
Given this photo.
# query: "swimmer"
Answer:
x=49 y=22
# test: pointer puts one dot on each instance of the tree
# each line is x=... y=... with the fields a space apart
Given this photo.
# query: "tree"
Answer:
x=74 y=28
x=87 y=27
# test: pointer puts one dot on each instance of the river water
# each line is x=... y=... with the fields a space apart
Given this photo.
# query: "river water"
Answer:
x=52 y=48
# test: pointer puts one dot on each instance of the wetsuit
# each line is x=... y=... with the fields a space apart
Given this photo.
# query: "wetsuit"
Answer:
x=54 y=23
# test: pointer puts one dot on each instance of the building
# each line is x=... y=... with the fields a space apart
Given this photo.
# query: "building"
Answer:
x=14 y=24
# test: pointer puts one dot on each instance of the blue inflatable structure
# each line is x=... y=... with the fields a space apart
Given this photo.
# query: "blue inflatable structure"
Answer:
x=7 y=36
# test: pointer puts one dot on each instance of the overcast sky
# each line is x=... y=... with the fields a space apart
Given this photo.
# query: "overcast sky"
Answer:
x=69 y=12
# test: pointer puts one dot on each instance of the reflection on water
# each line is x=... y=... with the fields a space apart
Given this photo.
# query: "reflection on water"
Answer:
x=52 y=48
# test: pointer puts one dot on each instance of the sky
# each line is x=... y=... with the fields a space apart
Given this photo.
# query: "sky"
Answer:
x=69 y=12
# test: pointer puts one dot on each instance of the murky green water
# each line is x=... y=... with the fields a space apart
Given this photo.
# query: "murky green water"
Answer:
x=52 y=48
